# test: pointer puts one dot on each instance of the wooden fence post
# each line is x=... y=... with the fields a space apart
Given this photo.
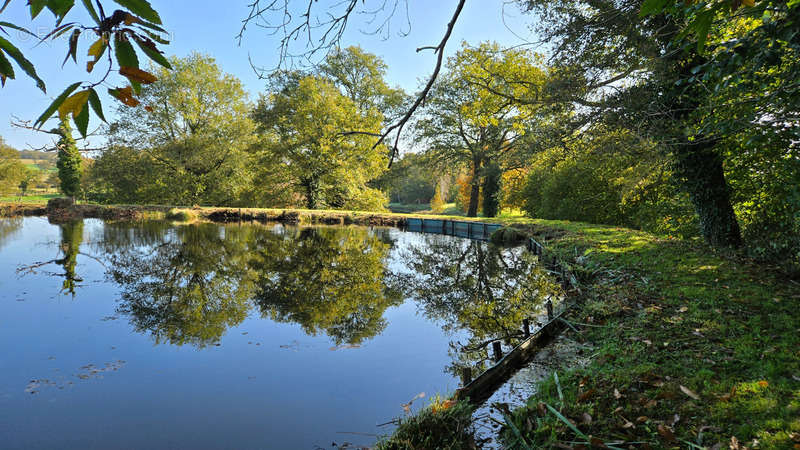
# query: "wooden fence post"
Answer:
x=466 y=375
x=549 y=306
x=526 y=328
x=498 y=351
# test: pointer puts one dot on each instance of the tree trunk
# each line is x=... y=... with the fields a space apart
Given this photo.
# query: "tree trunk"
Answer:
x=312 y=192
x=701 y=168
x=699 y=164
x=475 y=191
x=491 y=190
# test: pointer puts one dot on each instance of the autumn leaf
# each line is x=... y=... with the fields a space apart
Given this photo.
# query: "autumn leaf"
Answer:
x=137 y=75
x=130 y=19
x=96 y=50
x=666 y=433
x=749 y=3
x=73 y=104
x=125 y=95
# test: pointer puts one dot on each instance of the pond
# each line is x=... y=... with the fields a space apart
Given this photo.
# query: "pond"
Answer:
x=157 y=335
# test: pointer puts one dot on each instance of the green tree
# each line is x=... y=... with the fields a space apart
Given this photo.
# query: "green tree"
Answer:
x=466 y=123
x=12 y=170
x=361 y=77
x=309 y=116
x=196 y=133
x=70 y=169
x=30 y=177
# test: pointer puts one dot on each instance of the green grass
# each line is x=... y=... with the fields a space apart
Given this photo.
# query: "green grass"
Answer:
x=669 y=321
x=441 y=425
x=39 y=199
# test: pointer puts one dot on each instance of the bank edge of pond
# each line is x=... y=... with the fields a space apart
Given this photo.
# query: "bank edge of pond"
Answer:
x=693 y=347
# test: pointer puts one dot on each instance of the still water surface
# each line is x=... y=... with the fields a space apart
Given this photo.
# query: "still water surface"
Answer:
x=153 y=335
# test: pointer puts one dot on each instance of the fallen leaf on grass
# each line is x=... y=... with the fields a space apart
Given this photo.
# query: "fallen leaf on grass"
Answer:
x=597 y=442
x=689 y=392
x=666 y=433
x=586 y=418
x=617 y=395
x=583 y=397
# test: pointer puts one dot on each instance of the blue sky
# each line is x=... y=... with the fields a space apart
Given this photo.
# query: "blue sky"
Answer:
x=210 y=26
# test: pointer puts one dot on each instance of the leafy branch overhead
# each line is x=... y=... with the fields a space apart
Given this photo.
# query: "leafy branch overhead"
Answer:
x=138 y=23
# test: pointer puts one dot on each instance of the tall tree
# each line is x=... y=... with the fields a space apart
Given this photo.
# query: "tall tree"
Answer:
x=70 y=169
x=196 y=130
x=467 y=123
x=309 y=117
x=640 y=74
x=361 y=77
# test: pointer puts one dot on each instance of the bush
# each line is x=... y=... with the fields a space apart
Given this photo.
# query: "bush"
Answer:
x=439 y=426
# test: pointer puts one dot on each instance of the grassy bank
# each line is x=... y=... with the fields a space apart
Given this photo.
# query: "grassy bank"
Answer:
x=689 y=347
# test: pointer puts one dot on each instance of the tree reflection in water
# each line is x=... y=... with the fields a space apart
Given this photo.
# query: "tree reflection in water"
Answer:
x=189 y=284
x=9 y=226
x=327 y=280
x=188 y=287
x=69 y=249
x=476 y=288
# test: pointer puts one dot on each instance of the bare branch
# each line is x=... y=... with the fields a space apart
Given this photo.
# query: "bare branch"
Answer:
x=422 y=95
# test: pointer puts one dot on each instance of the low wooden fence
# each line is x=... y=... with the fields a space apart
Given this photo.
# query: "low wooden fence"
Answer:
x=464 y=229
x=479 y=389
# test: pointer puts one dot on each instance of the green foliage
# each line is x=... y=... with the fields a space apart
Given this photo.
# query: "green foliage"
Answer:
x=70 y=169
x=410 y=180
x=193 y=146
x=308 y=116
x=360 y=76
x=434 y=427
x=608 y=178
x=12 y=171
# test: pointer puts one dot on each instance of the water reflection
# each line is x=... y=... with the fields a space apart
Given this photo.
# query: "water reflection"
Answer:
x=327 y=280
x=472 y=287
x=9 y=226
x=184 y=285
x=190 y=284
x=69 y=249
